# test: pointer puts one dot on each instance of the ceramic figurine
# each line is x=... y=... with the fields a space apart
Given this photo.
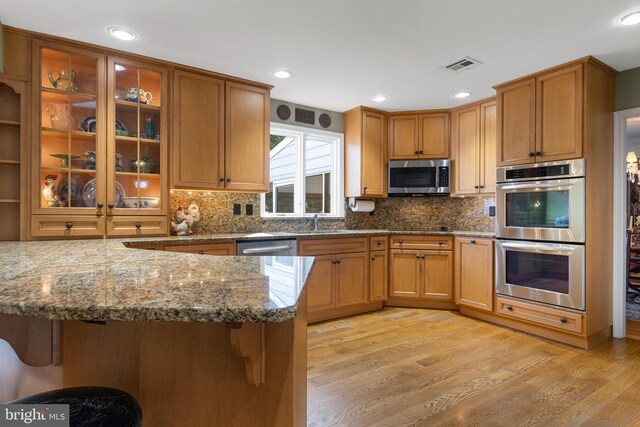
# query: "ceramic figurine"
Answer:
x=49 y=191
x=185 y=220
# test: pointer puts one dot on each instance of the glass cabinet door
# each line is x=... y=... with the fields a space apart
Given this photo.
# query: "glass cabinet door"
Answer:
x=137 y=138
x=70 y=130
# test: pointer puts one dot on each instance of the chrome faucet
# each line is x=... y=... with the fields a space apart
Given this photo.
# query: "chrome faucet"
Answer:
x=316 y=219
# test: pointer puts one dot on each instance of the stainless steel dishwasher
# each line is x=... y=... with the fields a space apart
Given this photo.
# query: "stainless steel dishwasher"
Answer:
x=266 y=247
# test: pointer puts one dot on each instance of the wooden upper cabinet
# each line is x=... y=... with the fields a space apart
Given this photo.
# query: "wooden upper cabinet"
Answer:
x=247 y=137
x=437 y=282
x=474 y=277
x=516 y=113
x=404 y=137
x=467 y=140
x=559 y=114
x=488 y=147
x=365 y=140
x=197 y=148
x=434 y=139
x=419 y=136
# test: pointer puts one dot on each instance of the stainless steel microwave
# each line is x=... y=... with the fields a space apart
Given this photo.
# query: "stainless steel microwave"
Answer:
x=419 y=177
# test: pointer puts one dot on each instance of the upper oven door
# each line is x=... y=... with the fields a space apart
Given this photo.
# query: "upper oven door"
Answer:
x=542 y=210
x=416 y=176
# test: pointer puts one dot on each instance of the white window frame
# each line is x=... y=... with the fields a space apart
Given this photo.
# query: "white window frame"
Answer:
x=303 y=134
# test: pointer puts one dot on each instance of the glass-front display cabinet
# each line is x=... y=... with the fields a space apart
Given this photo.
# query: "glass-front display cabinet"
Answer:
x=137 y=138
x=70 y=155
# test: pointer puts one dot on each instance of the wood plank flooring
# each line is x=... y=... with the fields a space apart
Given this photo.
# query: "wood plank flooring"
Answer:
x=405 y=367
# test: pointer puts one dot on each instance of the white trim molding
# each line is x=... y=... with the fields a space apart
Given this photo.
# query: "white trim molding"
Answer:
x=620 y=220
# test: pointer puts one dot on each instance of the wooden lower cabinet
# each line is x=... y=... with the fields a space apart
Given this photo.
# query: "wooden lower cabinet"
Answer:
x=321 y=284
x=218 y=249
x=352 y=279
x=378 y=275
x=421 y=274
x=137 y=226
x=474 y=272
x=63 y=226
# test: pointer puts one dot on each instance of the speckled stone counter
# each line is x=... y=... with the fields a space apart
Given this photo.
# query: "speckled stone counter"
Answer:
x=104 y=280
x=208 y=238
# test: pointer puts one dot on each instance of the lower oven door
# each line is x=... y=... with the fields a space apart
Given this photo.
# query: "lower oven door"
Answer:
x=545 y=272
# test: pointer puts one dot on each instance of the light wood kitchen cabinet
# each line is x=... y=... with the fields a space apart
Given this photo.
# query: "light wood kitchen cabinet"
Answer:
x=474 y=272
x=218 y=249
x=197 y=147
x=419 y=136
x=542 y=117
x=474 y=141
x=378 y=275
x=421 y=274
x=247 y=126
x=365 y=148
x=338 y=280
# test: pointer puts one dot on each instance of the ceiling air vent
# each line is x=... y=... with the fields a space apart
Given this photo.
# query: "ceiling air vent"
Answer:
x=463 y=64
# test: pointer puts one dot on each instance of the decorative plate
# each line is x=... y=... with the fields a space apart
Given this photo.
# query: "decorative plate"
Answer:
x=89 y=194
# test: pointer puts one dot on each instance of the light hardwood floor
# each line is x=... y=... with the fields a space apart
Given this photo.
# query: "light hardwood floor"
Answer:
x=401 y=367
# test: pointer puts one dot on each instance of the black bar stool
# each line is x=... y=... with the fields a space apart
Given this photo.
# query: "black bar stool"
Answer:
x=92 y=406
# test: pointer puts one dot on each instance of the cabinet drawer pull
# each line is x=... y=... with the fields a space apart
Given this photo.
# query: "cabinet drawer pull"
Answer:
x=475 y=186
x=110 y=205
x=201 y=252
x=563 y=320
x=100 y=205
x=482 y=186
x=373 y=258
x=417 y=256
x=138 y=225
x=510 y=308
x=421 y=152
x=379 y=243
x=423 y=257
x=440 y=242
x=473 y=242
x=334 y=261
x=338 y=261
x=400 y=241
x=69 y=225
x=532 y=154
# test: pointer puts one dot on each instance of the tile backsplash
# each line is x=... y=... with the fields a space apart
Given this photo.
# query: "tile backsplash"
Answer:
x=394 y=213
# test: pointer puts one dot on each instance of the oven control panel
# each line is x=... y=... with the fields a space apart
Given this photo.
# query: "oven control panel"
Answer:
x=551 y=170
x=539 y=172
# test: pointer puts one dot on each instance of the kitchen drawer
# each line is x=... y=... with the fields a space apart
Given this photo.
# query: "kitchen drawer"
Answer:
x=137 y=226
x=422 y=242
x=545 y=316
x=220 y=248
x=332 y=246
x=378 y=243
x=67 y=226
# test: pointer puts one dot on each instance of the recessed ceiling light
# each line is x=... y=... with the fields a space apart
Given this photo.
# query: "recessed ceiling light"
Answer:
x=122 y=33
x=282 y=74
x=380 y=98
x=461 y=95
x=120 y=67
x=631 y=18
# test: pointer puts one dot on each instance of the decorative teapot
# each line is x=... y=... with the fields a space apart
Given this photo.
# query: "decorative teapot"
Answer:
x=67 y=80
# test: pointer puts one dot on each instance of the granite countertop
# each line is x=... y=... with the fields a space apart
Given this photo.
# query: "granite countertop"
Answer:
x=208 y=238
x=104 y=280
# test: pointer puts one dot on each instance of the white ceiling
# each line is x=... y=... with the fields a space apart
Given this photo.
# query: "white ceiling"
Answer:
x=342 y=52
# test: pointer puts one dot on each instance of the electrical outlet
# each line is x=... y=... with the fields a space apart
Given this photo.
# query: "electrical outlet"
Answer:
x=249 y=209
x=492 y=211
x=236 y=209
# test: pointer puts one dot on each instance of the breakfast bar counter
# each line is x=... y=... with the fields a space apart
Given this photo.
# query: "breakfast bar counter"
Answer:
x=198 y=340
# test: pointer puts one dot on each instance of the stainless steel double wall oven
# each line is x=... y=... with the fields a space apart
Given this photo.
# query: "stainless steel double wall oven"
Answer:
x=540 y=246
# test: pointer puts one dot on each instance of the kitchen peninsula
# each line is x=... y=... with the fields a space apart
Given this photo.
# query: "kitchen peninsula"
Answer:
x=197 y=340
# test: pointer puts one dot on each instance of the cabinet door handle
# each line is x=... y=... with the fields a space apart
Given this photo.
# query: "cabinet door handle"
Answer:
x=228 y=179
x=417 y=256
x=339 y=261
x=379 y=243
x=400 y=241
x=482 y=186
x=475 y=186
x=221 y=179
x=423 y=257
x=201 y=252
x=373 y=258
x=334 y=261
x=416 y=152
x=110 y=205
x=510 y=308
x=532 y=154
x=563 y=320
x=538 y=153
x=100 y=205
x=138 y=225
x=473 y=242
x=364 y=188
x=421 y=152
x=69 y=225
x=440 y=242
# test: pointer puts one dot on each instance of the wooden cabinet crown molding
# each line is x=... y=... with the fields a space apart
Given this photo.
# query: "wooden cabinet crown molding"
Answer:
x=124 y=54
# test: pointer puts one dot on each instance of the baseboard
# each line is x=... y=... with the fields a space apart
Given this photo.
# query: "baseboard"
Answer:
x=335 y=313
x=416 y=303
